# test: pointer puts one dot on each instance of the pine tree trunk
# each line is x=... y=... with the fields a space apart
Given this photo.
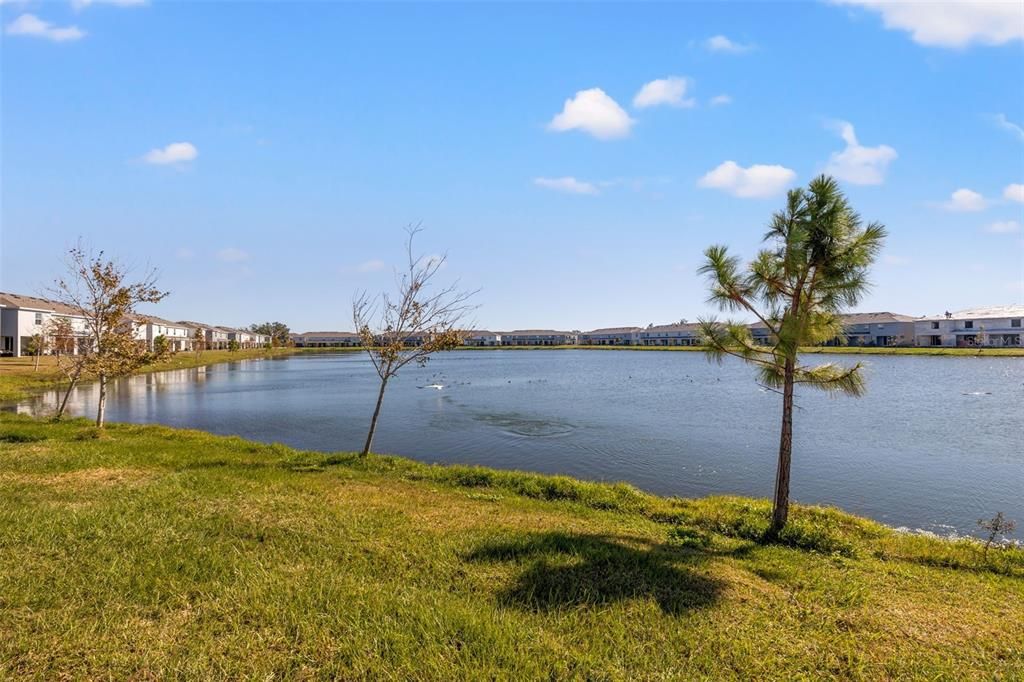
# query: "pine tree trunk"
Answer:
x=780 y=507
x=101 y=408
x=373 y=422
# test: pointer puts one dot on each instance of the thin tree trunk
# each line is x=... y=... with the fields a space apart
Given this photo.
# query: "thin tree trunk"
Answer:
x=72 y=382
x=373 y=422
x=101 y=407
x=780 y=507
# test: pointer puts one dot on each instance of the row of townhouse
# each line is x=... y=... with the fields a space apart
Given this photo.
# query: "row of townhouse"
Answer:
x=24 y=318
x=998 y=326
x=472 y=337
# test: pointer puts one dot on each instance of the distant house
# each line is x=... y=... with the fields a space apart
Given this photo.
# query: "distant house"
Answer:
x=670 y=335
x=998 y=326
x=611 y=336
x=149 y=327
x=244 y=338
x=876 y=329
x=859 y=329
x=216 y=337
x=22 y=317
x=537 y=337
x=480 y=337
x=326 y=340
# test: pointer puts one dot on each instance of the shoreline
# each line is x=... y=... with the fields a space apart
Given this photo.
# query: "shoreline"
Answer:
x=18 y=381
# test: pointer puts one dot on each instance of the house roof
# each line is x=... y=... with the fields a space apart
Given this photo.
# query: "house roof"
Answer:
x=534 y=332
x=615 y=330
x=859 y=318
x=153 y=319
x=985 y=313
x=873 y=318
x=36 y=303
x=344 y=334
x=662 y=328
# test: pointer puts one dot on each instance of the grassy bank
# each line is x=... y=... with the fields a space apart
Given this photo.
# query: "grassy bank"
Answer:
x=153 y=552
x=19 y=378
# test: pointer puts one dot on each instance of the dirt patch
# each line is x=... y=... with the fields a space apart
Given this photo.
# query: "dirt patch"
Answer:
x=82 y=478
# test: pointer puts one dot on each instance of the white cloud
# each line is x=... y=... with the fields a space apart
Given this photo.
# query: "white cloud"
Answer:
x=184 y=253
x=568 y=184
x=1003 y=227
x=755 y=182
x=374 y=265
x=720 y=43
x=31 y=25
x=720 y=100
x=670 y=91
x=1014 y=192
x=894 y=260
x=964 y=200
x=951 y=24
x=1006 y=124
x=232 y=255
x=176 y=152
x=857 y=164
x=82 y=4
x=594 y=112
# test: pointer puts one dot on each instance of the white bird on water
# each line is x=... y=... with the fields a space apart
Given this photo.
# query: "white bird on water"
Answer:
x=437 y=386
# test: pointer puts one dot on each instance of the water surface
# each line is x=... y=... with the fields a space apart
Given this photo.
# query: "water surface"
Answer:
x=937 y=442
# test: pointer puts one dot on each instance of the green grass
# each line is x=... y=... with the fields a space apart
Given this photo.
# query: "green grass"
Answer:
x=19 y=378
x=151 y=552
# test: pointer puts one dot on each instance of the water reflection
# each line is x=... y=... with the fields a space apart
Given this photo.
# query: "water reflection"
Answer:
x=936 y=444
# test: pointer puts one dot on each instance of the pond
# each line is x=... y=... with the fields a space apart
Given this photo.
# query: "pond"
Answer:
x=936 y=443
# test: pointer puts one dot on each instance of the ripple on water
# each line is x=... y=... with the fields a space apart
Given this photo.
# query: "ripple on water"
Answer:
x=520 y=425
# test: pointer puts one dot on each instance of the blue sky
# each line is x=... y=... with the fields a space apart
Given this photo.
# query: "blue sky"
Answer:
x=570 y=158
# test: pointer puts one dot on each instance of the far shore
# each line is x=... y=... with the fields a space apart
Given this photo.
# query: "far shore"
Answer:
x=19 y=379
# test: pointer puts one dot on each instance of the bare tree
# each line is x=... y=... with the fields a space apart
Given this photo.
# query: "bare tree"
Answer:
x=98 y=290
x=412 y=325
x=70 y=364
x=72 y=367
x=37 y=345
x=997 y=526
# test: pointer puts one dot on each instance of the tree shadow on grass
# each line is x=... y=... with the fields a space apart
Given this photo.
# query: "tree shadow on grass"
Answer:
x=566 y=570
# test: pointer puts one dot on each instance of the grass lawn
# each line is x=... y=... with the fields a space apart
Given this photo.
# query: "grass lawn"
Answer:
x=153 y=552
x=19 y=377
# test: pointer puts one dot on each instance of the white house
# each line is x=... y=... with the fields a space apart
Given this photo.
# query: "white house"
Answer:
x=246 y=339
x=178 y=334
x=481 y=337
x=537 y=337
x=860 y=329
x=998 y=326
x=682 y=334
x=326 y=339
x=22 y=317
x=216 y=337
x=611 y=336
x=876 y=329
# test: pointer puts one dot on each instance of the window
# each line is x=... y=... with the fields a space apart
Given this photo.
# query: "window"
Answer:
x=935 y=325
x=969 y=324
x=1015 y=323
x=39 y=318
